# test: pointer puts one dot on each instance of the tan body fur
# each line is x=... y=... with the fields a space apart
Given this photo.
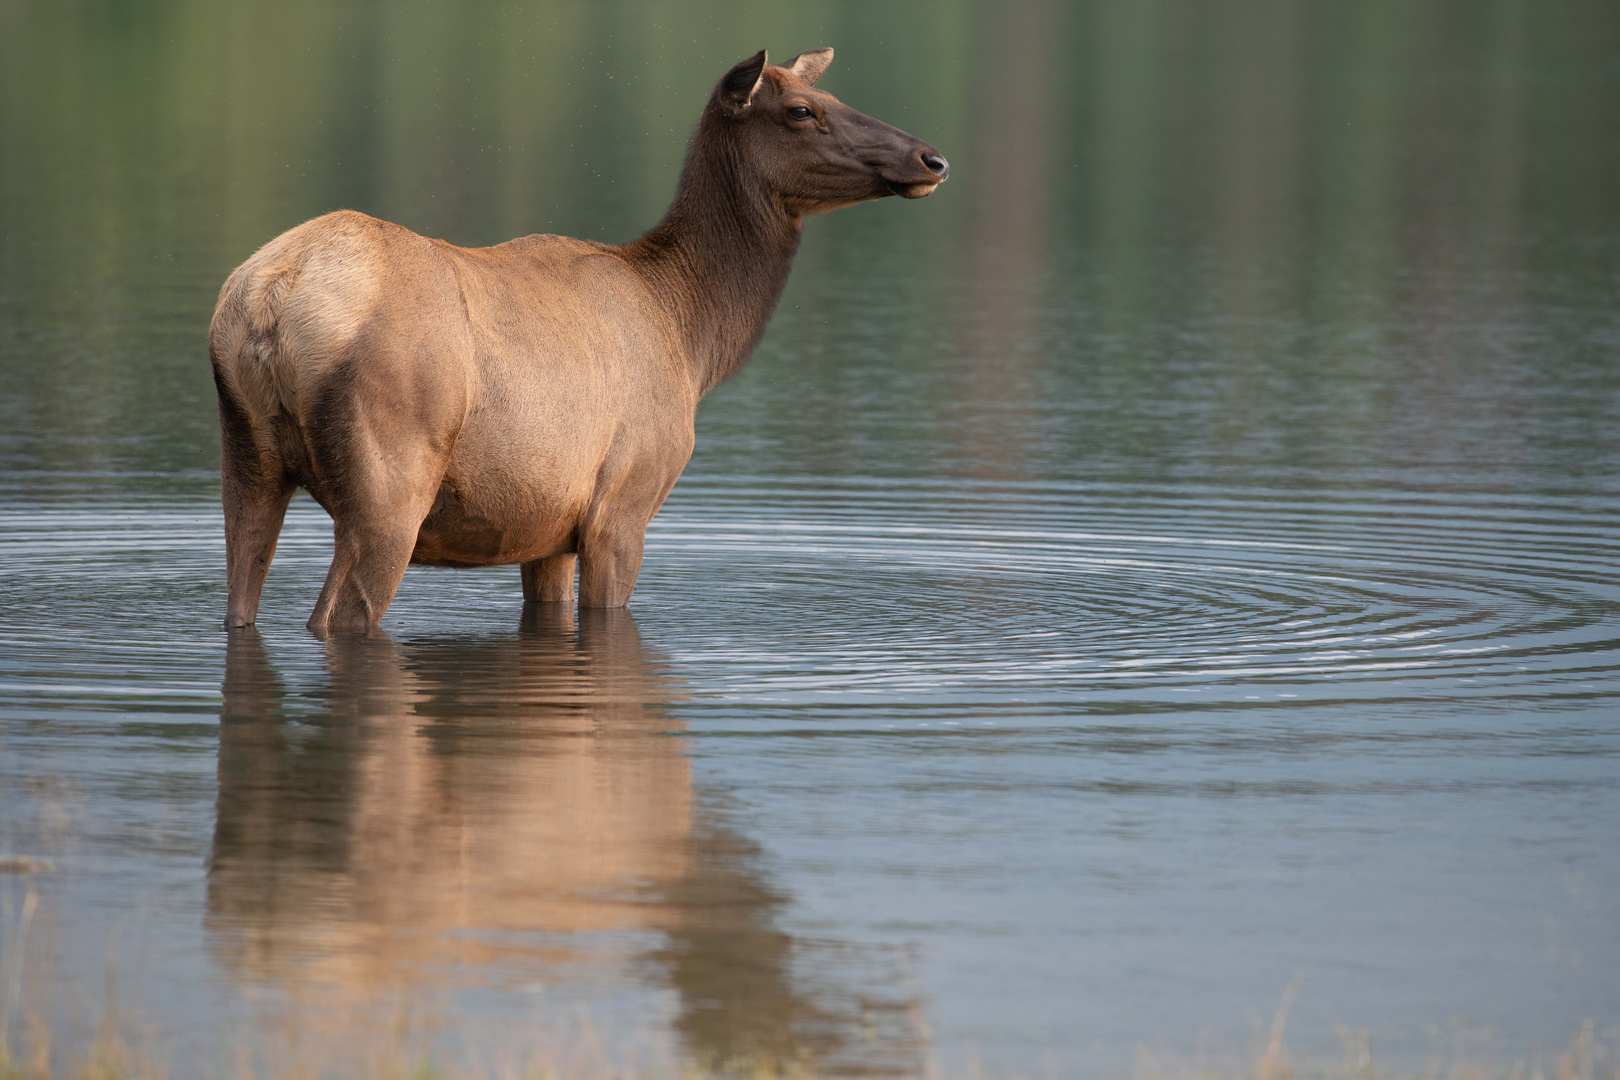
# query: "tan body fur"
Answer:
x=529 y=402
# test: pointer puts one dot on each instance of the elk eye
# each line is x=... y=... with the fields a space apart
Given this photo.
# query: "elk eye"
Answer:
x=800 y=112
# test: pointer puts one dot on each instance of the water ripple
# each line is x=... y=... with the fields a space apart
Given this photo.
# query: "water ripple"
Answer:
x=1030 y=598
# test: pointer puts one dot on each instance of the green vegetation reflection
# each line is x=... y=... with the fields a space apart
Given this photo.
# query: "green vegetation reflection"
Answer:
x=1286 y=238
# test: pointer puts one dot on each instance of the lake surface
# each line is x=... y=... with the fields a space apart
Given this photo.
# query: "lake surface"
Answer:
x=1168 y=572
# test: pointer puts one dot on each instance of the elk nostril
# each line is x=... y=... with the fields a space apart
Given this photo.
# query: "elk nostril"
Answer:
x=936 y=164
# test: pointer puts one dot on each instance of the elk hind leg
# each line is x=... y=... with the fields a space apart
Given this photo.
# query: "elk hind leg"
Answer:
x=380 y=467
x=369 y=557
x=255 y=491
x=375 y=523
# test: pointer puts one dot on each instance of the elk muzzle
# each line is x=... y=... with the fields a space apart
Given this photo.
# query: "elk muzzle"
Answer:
x=929 y=172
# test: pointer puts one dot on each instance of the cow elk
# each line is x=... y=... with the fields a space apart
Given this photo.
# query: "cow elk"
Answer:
x=531 y=402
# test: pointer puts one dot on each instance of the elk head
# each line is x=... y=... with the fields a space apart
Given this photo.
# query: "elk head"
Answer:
x=812 y=151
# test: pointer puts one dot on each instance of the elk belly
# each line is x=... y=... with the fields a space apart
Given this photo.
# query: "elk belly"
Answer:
x=454 y=534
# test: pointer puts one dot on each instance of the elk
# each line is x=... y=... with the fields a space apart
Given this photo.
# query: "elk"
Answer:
x=531 y=402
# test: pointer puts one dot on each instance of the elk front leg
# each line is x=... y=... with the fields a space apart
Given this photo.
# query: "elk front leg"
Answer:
x=549 y=581
x=609 y=561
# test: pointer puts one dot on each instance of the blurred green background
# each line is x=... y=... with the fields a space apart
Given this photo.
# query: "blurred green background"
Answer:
x=1297 y=242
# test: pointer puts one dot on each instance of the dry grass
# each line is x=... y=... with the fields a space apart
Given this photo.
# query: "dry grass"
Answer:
x=1459 y=1055
x=111 y=1056
x=402 y=1047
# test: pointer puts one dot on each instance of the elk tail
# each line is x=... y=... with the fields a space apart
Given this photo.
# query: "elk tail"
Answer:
x=267 y=292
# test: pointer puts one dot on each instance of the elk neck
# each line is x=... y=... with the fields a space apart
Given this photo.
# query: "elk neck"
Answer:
x=720 y=257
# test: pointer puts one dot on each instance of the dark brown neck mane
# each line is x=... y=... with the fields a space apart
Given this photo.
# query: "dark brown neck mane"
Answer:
x=721 y=256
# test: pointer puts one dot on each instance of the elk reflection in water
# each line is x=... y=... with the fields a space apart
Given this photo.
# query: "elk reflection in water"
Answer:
x=485 y=813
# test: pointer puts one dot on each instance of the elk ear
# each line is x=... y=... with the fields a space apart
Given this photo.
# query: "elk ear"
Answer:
x=808 y=66
x=737 y=86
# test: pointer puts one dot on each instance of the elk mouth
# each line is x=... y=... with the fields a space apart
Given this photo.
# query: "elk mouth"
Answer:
x=919 y=189
x=909 y=183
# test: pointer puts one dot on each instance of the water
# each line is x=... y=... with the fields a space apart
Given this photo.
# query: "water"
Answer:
x=1171 y=564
